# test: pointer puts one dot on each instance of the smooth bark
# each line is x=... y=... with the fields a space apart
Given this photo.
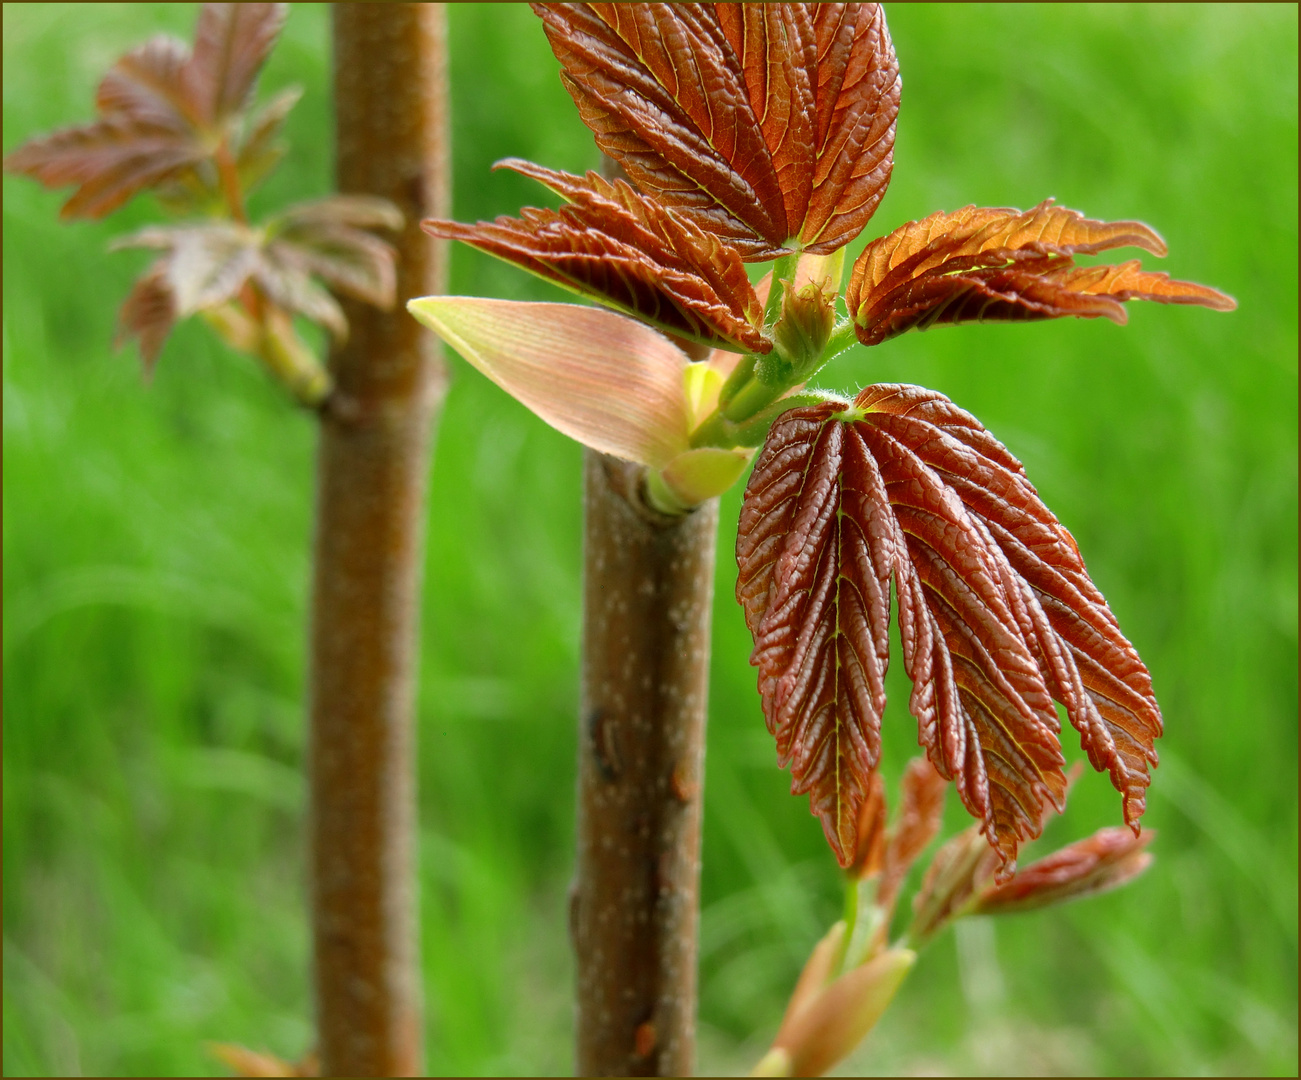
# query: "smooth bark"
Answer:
x=390 y=85
x=647 y=596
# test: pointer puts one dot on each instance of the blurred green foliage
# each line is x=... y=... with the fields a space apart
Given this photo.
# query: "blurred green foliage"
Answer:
x=155 y=570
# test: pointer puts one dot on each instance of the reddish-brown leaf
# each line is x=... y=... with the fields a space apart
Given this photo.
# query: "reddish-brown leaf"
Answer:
x=765 y=124
x=627 y=251
x=662 y=90
x=776 y=50
x=259 y=145
x=230 y=44
x=816 y=547
x=146 y=86
x=857 y=102
x=1086 y=662
x=920 y=817
x=328 y=238
x=160 y=107
x=1106 y=860
x=982 y=264
x=869 y=849
x=109 y=161
x=963 y=864
x=996 y=612
x=341 y=211
x=148 y=313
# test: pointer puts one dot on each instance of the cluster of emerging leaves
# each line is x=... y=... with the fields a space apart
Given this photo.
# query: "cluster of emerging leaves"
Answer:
x=854 y=971
x=759 y=132
x=765 y=132
x=181 y=122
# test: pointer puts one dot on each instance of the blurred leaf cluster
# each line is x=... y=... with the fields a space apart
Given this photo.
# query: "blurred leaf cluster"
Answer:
x=155 y=573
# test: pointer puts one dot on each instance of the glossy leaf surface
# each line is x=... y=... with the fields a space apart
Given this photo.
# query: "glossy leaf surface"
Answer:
x=981 y=264
x=997 y=614
x=618 y=247
x=768 y=125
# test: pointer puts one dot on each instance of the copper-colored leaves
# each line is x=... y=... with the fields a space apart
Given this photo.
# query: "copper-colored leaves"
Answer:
x=162 y=109
x=1103 y=861
x=981 y=264
x=857 y=101
x=616 y=246
x=997 y=615
x=204 y=266
x=765 y=124
x=816 y=547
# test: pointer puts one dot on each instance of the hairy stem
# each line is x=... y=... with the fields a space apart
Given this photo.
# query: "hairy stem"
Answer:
x=647 y=594
x=390 y=72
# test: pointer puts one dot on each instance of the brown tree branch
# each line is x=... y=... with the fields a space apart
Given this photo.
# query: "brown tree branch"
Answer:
x=647 y=594
x=390 y=81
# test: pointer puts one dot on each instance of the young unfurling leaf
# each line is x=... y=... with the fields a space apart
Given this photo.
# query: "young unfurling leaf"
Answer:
x=1103 y=861
x=997 y=615
x=981 y=264
x=231 y=43
x=920 y=817
x=768 y=125
x=162 y=111
x=329 y=238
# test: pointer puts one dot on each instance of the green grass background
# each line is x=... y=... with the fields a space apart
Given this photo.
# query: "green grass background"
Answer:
x=155 y=571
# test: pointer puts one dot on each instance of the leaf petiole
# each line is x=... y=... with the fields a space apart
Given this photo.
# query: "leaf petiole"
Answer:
x=738 y=378
x=718 y=430
x=842 y=338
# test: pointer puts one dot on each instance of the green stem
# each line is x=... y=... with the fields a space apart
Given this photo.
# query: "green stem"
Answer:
x=842 y=337
x=740 y=376
x=718 y=430
x=752 y=397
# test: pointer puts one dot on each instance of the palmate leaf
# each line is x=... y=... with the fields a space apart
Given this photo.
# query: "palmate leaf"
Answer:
x=202 y=267
x=985 y=264
x=618 y=247
x=768 y=125
x=162 y=110
x=329 y=238
x=997 y=615
x=205 y=264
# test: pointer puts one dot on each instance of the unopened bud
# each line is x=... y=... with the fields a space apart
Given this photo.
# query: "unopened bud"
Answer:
x=817 y=972
x=694 y=476
x=290 y=359
x=807 y=319
x=963 y=865
x=828 y=1028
